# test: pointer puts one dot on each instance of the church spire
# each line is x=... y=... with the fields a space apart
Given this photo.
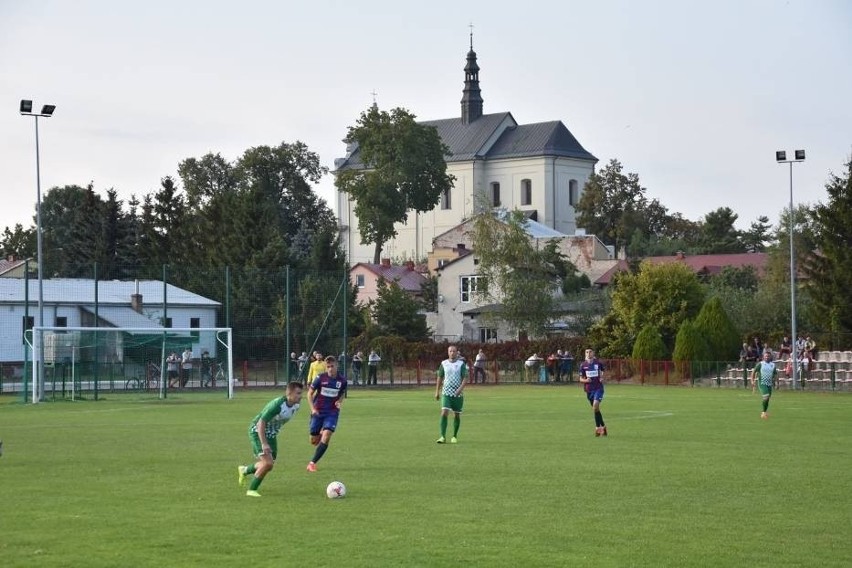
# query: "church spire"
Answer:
x=471 y=103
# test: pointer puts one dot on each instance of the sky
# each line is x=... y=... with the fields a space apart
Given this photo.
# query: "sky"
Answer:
x=694 y=97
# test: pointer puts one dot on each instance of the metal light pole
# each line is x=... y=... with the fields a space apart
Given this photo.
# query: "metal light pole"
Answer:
x=46 y=112
x=781 y=158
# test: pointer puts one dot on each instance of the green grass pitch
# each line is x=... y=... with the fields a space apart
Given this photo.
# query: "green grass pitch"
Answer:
x=687 y=477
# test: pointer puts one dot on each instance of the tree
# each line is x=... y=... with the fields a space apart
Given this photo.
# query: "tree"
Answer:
x=612 y=204
x=405 y=171
x=722 y=338
x=649 y=344
x=398 y=314
x=513 y=272
x=758 y=235
x=829 y=267
x=690 y=345
x=718 y=234
x=662 y=294
x=18 y=242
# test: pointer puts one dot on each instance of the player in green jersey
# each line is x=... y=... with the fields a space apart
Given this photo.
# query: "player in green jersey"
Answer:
x=767 y=374
x=263 y=433
x=449 y=388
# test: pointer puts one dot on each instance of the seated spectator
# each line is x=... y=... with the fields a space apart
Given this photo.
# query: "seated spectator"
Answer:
x=744 y=353
x=810 y=347
x=752 y=354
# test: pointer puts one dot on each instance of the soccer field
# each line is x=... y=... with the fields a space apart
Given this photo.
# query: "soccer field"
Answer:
x=686 y=477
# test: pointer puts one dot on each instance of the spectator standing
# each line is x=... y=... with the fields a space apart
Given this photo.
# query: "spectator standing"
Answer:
x=186 y=366
x=316 y=369
x=479 y=367
x=373 y=367
x=357 y=362
x=566 y=364
x=206 y=369
x=786 y=348
x=552 y=365
x=173 y=368
x=532 y=364
x=757 y=347
x=811 y=347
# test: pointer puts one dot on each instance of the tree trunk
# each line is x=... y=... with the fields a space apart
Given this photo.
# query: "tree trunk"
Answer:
x=377 y=256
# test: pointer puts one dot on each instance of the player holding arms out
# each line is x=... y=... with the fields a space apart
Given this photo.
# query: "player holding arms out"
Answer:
x=263 y=433
x=591 y=375
x=768 y=373
x=326 y=395
x=449 y=388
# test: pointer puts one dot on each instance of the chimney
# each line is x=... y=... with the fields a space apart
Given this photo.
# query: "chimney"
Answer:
x=409 y=264
x=136 y=300
x=386 y=262
x=11 y=257
x=679 y=255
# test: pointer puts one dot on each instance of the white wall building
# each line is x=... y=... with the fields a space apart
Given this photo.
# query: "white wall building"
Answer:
x=71 y=303
x=539 y=168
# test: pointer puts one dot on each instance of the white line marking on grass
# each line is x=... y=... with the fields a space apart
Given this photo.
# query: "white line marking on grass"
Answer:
x=646 y=414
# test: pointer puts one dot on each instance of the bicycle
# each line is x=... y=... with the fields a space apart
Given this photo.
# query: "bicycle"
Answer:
x=149 y=379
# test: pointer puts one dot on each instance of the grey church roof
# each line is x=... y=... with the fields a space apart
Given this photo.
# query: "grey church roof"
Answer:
x=544 y=138
x=467 y=141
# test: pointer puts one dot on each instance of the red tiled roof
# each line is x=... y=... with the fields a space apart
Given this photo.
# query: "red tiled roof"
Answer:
x=699 y=263
x=409 y=279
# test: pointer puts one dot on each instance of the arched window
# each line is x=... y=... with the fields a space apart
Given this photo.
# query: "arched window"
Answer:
x=573 y=193
x=495 y=194
x=526 y=192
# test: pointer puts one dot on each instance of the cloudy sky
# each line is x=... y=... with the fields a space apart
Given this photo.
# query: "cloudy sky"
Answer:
x=693 y=96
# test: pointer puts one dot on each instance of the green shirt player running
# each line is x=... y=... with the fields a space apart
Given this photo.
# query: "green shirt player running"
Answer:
x=449 y=389
x=263 y=433
x=767 y=373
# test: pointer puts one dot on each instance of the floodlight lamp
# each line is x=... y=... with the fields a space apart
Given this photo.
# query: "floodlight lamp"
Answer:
x=47 y=110
x=780 y=156
x=26 y=106
x=800 y=155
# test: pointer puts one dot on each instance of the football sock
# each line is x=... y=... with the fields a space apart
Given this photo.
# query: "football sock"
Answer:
x=443 y=425
x=598 y=419
x=765 y=404
x=456 y=425
x=321 y=448
x=255 y=483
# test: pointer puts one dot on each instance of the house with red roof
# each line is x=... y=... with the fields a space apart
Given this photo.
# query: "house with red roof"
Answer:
x=365 y=276
x=700 y=264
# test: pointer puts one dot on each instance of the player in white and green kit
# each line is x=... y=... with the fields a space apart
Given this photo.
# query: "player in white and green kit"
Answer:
x=449 y=388
x=765 y=373
x=263 y=434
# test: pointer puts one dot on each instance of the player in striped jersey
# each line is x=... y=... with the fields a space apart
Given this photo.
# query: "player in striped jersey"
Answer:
x=263 y=433
x=768 y=373
x=449 y=389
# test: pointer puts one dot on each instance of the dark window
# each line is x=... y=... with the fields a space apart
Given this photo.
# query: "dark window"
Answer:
x=359 y=280
x=487 y=334
x=495 y=194
x=195 y=323
x=27 y=323
x=445 y=200
x=573 y=193
x=526 y=192
x=167 y=323
x=61 y=321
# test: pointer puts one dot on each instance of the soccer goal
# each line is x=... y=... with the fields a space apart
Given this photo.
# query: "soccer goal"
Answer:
x=154 y=360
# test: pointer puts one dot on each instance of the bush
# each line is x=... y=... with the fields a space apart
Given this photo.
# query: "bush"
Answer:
x=649 y=345
x=719 y=332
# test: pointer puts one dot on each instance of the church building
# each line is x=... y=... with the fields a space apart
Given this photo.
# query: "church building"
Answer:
x=539 y=168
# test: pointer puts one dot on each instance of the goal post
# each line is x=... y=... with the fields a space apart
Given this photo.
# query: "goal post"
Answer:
x=149 y=359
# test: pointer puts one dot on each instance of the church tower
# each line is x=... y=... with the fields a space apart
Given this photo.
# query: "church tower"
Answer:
x=471 y=103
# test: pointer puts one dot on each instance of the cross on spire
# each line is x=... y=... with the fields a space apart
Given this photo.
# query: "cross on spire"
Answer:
x=470 y=25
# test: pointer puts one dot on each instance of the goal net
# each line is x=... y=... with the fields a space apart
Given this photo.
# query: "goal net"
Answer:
x=79 y=361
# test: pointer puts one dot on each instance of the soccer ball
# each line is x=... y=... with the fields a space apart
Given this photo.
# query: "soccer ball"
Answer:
x=335 y=490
